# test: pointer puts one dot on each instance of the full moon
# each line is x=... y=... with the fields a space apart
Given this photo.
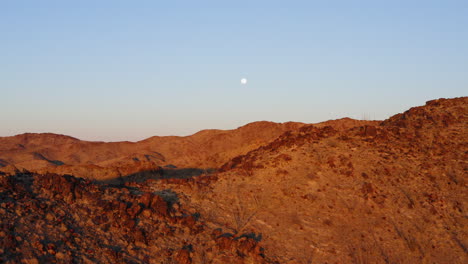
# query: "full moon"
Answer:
x=243 y=81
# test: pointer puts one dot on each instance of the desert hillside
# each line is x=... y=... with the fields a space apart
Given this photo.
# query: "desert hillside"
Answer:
x=61 y=154
x=391 y=193
x=342 y=191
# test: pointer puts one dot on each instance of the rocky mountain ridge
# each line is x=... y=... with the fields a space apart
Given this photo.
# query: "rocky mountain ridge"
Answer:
x=338 y=192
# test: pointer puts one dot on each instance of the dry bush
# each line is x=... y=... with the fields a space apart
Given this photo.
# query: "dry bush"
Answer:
x=243 y=213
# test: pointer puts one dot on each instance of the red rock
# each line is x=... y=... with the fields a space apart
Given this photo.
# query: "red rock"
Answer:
x=159 y=205
x=183 y=257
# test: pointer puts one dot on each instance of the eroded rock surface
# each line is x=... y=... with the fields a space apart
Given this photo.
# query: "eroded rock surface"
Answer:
x=62 y=219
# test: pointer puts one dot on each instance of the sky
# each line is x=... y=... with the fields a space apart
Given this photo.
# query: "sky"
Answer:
x=127 y=70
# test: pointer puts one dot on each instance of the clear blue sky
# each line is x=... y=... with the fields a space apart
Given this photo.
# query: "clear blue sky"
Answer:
x=127 y=70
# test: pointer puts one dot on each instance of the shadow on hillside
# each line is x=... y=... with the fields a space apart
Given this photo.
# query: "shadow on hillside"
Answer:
x=166 y=173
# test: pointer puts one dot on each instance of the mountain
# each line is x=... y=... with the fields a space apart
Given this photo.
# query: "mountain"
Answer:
x=341 y=191
x=61 y=154
x=388 y=193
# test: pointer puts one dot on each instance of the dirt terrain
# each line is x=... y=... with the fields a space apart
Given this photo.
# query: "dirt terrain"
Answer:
x=342 y=191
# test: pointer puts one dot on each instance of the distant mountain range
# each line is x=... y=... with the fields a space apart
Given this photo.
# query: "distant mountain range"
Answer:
x=99 y=160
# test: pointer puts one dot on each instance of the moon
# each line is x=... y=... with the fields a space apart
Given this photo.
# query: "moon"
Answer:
x=243 y=81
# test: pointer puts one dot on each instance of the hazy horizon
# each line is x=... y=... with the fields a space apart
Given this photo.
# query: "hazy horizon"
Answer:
x=115 y=70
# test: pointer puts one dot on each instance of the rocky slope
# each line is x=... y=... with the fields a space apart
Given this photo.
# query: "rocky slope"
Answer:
x=389 y=193
x=337 y=192
x=63 y=219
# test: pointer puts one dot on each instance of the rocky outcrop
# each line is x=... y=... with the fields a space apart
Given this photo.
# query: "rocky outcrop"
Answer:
x=62 y=219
